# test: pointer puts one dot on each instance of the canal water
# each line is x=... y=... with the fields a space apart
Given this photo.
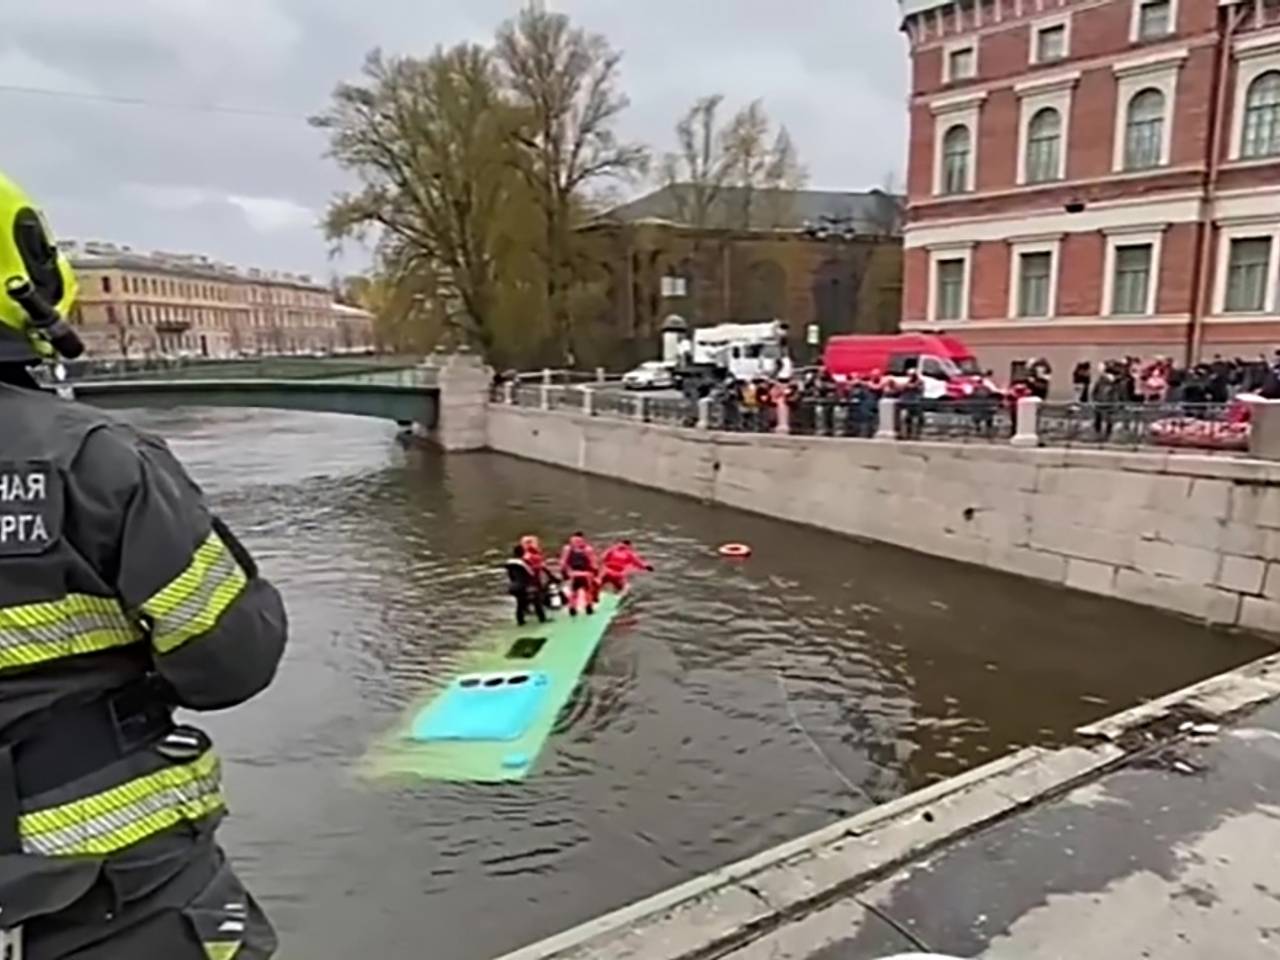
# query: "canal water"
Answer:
x=732 y=707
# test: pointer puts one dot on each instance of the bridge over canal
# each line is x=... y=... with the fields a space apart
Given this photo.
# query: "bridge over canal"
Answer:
x=407 y=397
x=401 y=390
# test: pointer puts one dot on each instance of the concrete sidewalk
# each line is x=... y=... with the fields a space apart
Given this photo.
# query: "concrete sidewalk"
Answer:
x=1174 y=855
x=1156 y=837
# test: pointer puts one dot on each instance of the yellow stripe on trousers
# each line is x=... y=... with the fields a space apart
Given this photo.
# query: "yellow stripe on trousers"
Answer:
x=122 y=816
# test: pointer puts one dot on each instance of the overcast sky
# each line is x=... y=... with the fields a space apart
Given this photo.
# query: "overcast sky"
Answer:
x=250 y=189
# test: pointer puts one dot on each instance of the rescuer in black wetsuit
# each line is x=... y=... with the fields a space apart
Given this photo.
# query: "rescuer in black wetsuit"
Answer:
x=526 y=586
x=121 y=597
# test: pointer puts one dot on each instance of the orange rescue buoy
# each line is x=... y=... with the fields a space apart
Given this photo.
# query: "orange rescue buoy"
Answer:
x=735 y=551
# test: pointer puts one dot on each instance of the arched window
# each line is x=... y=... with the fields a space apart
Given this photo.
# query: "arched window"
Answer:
x=1262 y=117
x=956 y=147
x=1144 y=131
x=1044 y=146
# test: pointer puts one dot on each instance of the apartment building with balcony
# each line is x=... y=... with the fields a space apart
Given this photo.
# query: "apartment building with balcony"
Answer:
x=164 y=304
x=1094 y=178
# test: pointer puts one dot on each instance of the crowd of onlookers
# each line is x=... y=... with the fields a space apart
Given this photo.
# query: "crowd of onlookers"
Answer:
x=1133 y=380
x=817 y=403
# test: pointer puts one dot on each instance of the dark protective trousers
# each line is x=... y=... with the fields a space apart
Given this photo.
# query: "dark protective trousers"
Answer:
x=202 y=912
x=530 y=601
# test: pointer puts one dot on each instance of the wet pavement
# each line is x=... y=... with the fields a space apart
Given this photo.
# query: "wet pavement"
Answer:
x=1171 y=857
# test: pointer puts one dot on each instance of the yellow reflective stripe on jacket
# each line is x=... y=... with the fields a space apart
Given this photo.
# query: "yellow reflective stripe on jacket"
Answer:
x=106 y=822
x=194 y=601
x=76 y=624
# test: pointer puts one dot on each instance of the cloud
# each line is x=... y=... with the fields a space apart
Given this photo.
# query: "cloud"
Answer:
x=251 y=189
x=263 y=214
x=270 y=214
x=20 y=68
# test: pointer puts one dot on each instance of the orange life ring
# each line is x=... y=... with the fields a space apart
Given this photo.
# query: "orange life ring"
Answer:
x=736 y=551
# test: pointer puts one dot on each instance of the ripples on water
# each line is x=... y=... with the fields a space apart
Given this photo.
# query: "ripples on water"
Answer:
x=707 y=729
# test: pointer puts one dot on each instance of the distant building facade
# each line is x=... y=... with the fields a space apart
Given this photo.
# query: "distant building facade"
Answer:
x=806 y=257
x=159 y=304
x=1095 y=178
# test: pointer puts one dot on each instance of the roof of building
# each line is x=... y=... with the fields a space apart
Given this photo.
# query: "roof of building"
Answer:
x=870 y=212
x=354 y=313
x=910 y=7
x=96 y=255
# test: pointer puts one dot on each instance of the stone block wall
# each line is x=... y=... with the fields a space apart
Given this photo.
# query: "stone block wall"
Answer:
x=462 y=422
x=1197 y=535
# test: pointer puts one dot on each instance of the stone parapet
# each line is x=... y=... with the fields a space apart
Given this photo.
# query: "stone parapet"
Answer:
x=464 y=381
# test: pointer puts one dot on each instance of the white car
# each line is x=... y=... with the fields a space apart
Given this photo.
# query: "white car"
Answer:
x=653 y=375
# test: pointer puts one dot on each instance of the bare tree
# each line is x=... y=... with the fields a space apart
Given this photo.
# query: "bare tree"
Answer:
x=566 y=82
x=433 y=142
x=699 y=170
x=761 y=160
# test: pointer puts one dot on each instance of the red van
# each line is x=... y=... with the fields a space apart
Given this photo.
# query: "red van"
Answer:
x=897 y=354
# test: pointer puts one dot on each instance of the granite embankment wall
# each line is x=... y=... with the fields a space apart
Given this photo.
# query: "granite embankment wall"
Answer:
x=1197 y=535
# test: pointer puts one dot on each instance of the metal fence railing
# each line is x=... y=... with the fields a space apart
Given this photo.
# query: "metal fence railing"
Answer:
x=1208 y=427
x=283 y=367
x=613 y=404
x=1204 y=426
x=526 y=396
x=674 y=411
x=568 y=399
x=835 y=417
x=967 y=421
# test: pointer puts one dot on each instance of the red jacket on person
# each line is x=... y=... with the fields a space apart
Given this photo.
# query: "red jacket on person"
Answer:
x=622 y=558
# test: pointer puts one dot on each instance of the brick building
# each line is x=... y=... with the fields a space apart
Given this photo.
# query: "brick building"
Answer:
x=828 y=258
x=1094 y=178
x=157 y=304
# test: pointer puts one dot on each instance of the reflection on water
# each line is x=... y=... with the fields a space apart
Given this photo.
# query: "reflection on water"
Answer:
x=731 y=707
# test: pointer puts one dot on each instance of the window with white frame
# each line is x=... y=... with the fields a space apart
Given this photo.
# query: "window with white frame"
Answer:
x=957 y=146
x=1043 y=121
x=961 y=64
x=1050 y=40
x=956 y=143
x=1255 y=124
x=1035 y=279
x=1154 y=19
x=1044 y=146
x=1144 y=130
x=1146 y=90
x=950 y=289
x=1248 y=273
x=949 y=273
x=1261 y=136
x=1132 y=279
x=1131 y=276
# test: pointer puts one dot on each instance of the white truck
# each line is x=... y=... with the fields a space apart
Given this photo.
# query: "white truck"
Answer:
x=745 y=351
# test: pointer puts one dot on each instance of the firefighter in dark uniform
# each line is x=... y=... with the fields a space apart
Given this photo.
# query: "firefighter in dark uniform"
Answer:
x=121 y=598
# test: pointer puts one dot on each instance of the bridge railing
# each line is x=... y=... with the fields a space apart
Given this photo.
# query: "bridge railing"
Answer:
x=405 y=377
x=266 y=368
x=556 y=377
